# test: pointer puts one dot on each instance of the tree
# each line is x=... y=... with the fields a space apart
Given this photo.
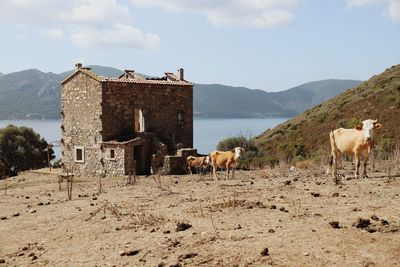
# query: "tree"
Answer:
x=21 y=149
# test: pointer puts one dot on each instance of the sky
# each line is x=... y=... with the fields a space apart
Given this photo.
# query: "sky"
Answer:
x=271 y=45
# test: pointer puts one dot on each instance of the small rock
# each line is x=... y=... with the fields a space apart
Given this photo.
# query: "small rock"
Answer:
x=21 y=254
x=282 y=209
x=132 y=252
x=32 y=211
x=384 y=222
x=31 y=254
x=335 y=194
x=34 y=258
x=27 y=197
x=104 y=217
x=271 y=231
x=2 y=261
x=182 y=227
x=237 y=227
x=374 y=217
x=273 y=207
x=315 y=194
x=25 y=248
x=40 y=204
x=306 y=254
x=16 y=214
x=117 y=229
x=356 y=209
x=334 y=224
x=317 y=215
x=187 y=256
x=3 y=218
x=287 y=182
x=94 y=198
x=166 y=232
x=265 y=252
x=362 y=223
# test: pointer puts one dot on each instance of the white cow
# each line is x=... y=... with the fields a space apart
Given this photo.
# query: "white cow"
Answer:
x=226 y=159
x=197 y=162
x=355 y=142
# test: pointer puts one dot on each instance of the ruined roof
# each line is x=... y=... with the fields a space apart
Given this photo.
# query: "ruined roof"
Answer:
x=131 y=76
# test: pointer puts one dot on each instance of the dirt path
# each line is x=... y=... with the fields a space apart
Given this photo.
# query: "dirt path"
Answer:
x=232 y=222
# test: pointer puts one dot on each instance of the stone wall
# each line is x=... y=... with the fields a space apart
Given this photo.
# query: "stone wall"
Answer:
x=81 y=124
x=160 y=104
x=177 y=164
x=116 y=166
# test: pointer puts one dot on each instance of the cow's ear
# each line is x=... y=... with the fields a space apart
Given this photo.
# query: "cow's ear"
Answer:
x=359 y=127
x=378 y=126
x=233 y=150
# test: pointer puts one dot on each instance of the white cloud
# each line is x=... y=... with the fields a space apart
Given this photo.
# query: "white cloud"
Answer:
x=394 y=10
x=392 y=7
x=120 y=35
x=86 y=23
x=361 y=3
x=247 y=13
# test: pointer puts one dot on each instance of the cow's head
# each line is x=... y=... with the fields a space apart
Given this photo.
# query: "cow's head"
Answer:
x=207 y=160
x=368 y=127
x=238 y=152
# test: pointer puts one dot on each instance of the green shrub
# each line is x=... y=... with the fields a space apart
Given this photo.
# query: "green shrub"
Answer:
x=21 y=149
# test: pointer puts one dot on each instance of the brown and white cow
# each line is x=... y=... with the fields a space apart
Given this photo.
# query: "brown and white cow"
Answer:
x=197 y=162
x=226 y=159
x=355 y=142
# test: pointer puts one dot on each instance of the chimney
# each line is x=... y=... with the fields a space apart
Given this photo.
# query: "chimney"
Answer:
x=180 y=74
x=78 y=66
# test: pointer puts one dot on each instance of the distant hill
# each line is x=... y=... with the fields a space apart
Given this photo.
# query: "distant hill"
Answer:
x=35 y=94
x=220 y=101
x=306 y=136
x=99 y=70
x=1 y=74
x=239 y=102
x=29 y=94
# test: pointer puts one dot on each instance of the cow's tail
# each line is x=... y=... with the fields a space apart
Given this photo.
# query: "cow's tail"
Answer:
x=333 y=147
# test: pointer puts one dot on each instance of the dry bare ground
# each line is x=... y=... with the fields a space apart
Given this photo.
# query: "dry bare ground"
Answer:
x=266 y=217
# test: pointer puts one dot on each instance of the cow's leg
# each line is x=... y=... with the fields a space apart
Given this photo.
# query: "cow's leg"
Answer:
x=233 y=173
x=335 y=161
x=189 y=169
x=357 y=162
x=366 y=157
x=214 y=167
x=227 y=171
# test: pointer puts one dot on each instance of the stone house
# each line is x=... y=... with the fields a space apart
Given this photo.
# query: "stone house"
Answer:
x=117 y=126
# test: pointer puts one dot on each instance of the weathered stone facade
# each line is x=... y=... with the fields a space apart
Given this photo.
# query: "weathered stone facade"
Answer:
x=109 y=124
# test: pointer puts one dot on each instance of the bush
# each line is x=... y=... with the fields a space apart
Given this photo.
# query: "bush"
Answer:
x=21 y=149
x=253 y=158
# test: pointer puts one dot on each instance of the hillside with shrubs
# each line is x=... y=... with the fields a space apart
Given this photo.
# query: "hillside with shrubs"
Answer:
x=307 y=135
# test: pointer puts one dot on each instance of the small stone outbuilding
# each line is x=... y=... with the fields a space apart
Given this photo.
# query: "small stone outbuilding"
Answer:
x=123 y=125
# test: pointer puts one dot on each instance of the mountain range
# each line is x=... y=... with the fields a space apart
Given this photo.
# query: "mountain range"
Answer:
x=32 y=93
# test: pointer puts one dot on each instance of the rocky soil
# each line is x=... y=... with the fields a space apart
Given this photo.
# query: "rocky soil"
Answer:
x=267 y=217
